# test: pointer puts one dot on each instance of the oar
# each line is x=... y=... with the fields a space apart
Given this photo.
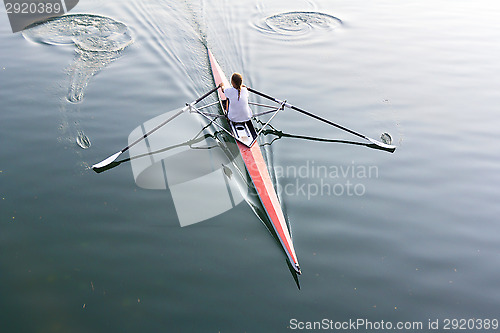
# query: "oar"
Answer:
x=113 y=157
x=375 y=142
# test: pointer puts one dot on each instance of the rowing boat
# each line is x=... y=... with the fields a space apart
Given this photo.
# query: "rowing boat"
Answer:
x=245 y=135
x=246 y=139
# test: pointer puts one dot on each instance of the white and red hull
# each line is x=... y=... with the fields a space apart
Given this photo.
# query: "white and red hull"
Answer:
x=257 y=169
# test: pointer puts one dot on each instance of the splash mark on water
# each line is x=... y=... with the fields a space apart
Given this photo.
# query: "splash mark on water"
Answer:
x=70 y=129
x=386 y=138
x=297 y=24
x=99 y=41
x=82 y=140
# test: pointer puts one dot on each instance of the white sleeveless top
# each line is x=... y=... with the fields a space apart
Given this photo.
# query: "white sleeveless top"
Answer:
x=239 y=111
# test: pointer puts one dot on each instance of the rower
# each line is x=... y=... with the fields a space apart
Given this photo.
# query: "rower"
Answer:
x=237 y=108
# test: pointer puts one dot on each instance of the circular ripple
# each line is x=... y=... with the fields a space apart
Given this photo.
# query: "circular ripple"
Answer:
x=99 y=40
x=298 y=24
x=89 y=32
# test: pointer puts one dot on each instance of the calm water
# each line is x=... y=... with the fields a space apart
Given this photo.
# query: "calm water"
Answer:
x=419 y=240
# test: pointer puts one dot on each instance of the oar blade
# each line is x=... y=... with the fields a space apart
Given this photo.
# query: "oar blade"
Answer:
x=381 y=144
x=107 y=161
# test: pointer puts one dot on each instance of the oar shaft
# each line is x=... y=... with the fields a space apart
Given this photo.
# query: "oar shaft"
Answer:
x=263 y=95
x=307 y=113
x=328 y=121
x=208 y=93
x=166 y=121
x=112 y=158
x=153 y=130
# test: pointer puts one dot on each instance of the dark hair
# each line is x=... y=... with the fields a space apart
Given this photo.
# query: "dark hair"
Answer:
x=237 y=79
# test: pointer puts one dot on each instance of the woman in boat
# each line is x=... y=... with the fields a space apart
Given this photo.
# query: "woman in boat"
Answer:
x=238 y=110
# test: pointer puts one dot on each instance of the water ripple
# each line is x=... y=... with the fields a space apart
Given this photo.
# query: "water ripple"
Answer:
x=297 y=24
x=83 y=140
x=99 y=41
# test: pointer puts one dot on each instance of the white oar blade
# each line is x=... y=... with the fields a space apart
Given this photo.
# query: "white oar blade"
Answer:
x=381 y=144
x=107 y=161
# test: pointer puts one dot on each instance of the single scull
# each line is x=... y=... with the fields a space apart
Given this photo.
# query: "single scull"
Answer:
x=246 y=136
x=256 y=167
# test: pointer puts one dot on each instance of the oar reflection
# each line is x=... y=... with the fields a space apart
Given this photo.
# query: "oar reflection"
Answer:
x=280 y=135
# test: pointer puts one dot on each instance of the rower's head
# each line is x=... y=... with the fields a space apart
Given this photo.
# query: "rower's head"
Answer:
x=237 y=80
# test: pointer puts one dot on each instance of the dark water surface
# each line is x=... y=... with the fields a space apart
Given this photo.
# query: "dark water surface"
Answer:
x=410 y=236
